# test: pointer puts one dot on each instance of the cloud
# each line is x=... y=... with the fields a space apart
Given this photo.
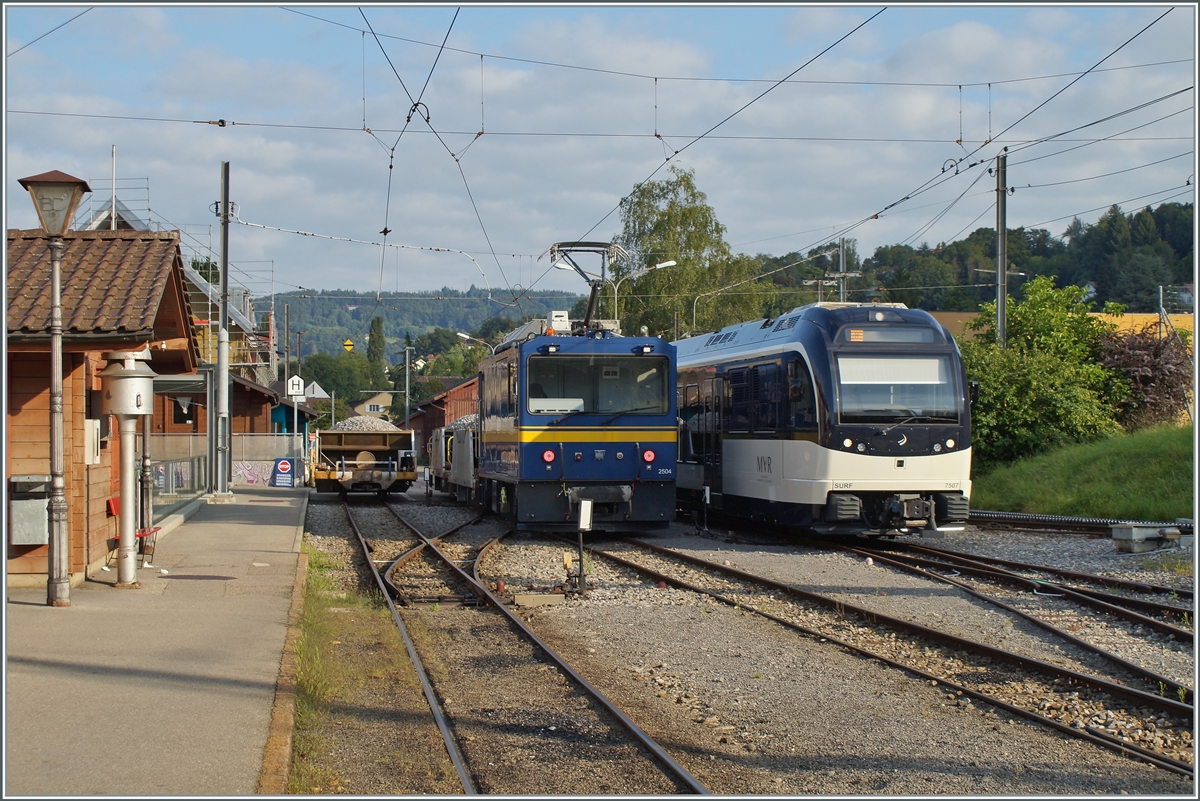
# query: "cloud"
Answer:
x=562 y=146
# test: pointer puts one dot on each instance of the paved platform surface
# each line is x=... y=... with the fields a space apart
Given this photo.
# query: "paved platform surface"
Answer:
x=165 y=690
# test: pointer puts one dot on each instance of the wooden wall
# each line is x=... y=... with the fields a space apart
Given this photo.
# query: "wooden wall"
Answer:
x=87 y=487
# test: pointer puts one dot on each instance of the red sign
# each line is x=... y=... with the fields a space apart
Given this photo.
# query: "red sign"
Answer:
x=284 y=467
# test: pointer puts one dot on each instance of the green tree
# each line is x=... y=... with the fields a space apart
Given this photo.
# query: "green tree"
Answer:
x=671 y=220
x=376 y=347
x=1048 y=386
x=347 y=374
x=916 y=278
x=209 y=270
x=437 y=342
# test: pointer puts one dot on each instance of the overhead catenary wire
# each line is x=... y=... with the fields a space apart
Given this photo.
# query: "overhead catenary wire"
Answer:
x=47 y=33
x=731 y=116
x=457 y=160
x=567 y=134
x=945 y=174
x=702 y=79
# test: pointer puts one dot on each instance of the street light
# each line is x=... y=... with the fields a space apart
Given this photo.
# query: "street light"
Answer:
x=634 y=274
x=55 y=196
x=480 y=341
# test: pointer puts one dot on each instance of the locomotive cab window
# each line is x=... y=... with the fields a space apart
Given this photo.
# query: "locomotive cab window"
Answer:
x=892 y=388
x=605 y=384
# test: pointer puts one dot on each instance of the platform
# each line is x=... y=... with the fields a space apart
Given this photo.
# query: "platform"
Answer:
x=163 y=690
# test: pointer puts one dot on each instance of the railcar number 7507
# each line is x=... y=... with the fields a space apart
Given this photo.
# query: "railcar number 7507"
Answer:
x=952 y=485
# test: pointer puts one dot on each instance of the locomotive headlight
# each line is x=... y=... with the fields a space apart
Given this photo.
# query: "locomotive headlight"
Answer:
x=861 y=447
x=937 y=447
x=547 y=456
x=847 y=443
x=950 y=444
x=648 y=455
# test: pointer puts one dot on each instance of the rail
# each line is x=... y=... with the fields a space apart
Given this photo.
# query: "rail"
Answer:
x=639 y=734
x=1185 y=711
x=434 y=706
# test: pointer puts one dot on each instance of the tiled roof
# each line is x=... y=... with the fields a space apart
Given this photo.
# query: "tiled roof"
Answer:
x=112 y=281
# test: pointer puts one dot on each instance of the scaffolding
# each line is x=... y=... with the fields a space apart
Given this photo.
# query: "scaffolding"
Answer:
x=253 y=338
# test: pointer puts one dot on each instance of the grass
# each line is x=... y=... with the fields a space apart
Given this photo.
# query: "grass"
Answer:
x=1142 y=476
x=322 y=677
x=1169 y=562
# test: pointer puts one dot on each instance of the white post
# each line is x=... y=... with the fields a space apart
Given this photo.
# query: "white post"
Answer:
x=127 y=550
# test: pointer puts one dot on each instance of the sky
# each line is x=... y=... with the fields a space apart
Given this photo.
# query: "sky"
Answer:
x=883 y=132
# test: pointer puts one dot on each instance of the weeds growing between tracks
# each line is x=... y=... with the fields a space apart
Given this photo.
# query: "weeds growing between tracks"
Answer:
x=352 y=673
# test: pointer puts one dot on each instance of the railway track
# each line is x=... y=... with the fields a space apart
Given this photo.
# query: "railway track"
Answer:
x=1051 y=606
x=1112 y=714
x=1098 y=526
x=504 y=701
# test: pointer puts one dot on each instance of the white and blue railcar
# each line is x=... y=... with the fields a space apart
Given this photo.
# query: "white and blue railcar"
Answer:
x=839 y=418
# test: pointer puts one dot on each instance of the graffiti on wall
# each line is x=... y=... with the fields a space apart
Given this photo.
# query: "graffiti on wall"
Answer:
x=253 y=474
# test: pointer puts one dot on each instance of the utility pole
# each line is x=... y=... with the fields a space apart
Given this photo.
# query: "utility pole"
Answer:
x=842 y=270
x=223 y=426
x=407 y=350
x=1001 y=248
x=299 y=336
x=287 y=344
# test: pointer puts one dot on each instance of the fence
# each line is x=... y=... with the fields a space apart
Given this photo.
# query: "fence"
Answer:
x=176 y=482
x=242 y=447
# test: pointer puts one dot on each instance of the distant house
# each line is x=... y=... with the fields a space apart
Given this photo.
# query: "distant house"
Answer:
x=1187 y=295
x=374 y=406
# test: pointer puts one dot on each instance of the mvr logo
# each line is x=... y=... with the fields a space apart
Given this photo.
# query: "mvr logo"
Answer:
x=764 y=464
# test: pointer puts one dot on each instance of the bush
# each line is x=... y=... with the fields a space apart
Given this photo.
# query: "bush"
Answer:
x=1159 y=372
x=1047 y=387
x=1031 y=401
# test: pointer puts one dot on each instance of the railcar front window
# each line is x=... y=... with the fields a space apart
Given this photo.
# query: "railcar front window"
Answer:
x=598 y=384
x=891 y=389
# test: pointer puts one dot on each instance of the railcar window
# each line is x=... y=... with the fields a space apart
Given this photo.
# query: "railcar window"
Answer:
x=887 y=388
x=600 y=384
x=764 y=382
x=801 y=403
x=915 y=334
x=739 y=400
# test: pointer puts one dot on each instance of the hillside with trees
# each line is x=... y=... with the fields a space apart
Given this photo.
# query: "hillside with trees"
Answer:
x=1063 y=376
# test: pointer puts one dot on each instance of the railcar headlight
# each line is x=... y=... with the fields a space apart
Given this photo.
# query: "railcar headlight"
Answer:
x=937 y=447
x=950 y=444
x=547 y=456
x=648 y=455
x=861 y=447
x=847 y=443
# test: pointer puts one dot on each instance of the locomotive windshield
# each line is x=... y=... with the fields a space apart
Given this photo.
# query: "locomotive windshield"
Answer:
x=600 y=384
x=893 y=388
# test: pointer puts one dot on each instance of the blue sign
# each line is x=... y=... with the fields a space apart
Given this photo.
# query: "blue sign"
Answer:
x=161 y=477
x=282 y=475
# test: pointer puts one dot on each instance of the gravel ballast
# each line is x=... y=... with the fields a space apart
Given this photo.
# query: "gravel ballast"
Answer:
x=750 y=707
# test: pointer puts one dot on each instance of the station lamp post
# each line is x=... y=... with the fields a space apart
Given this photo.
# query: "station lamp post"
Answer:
x=480 y=341
x=56 y=195
x=634 y=274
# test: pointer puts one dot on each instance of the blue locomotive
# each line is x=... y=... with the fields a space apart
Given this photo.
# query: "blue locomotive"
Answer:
x=569 y=415
x=842 y=418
